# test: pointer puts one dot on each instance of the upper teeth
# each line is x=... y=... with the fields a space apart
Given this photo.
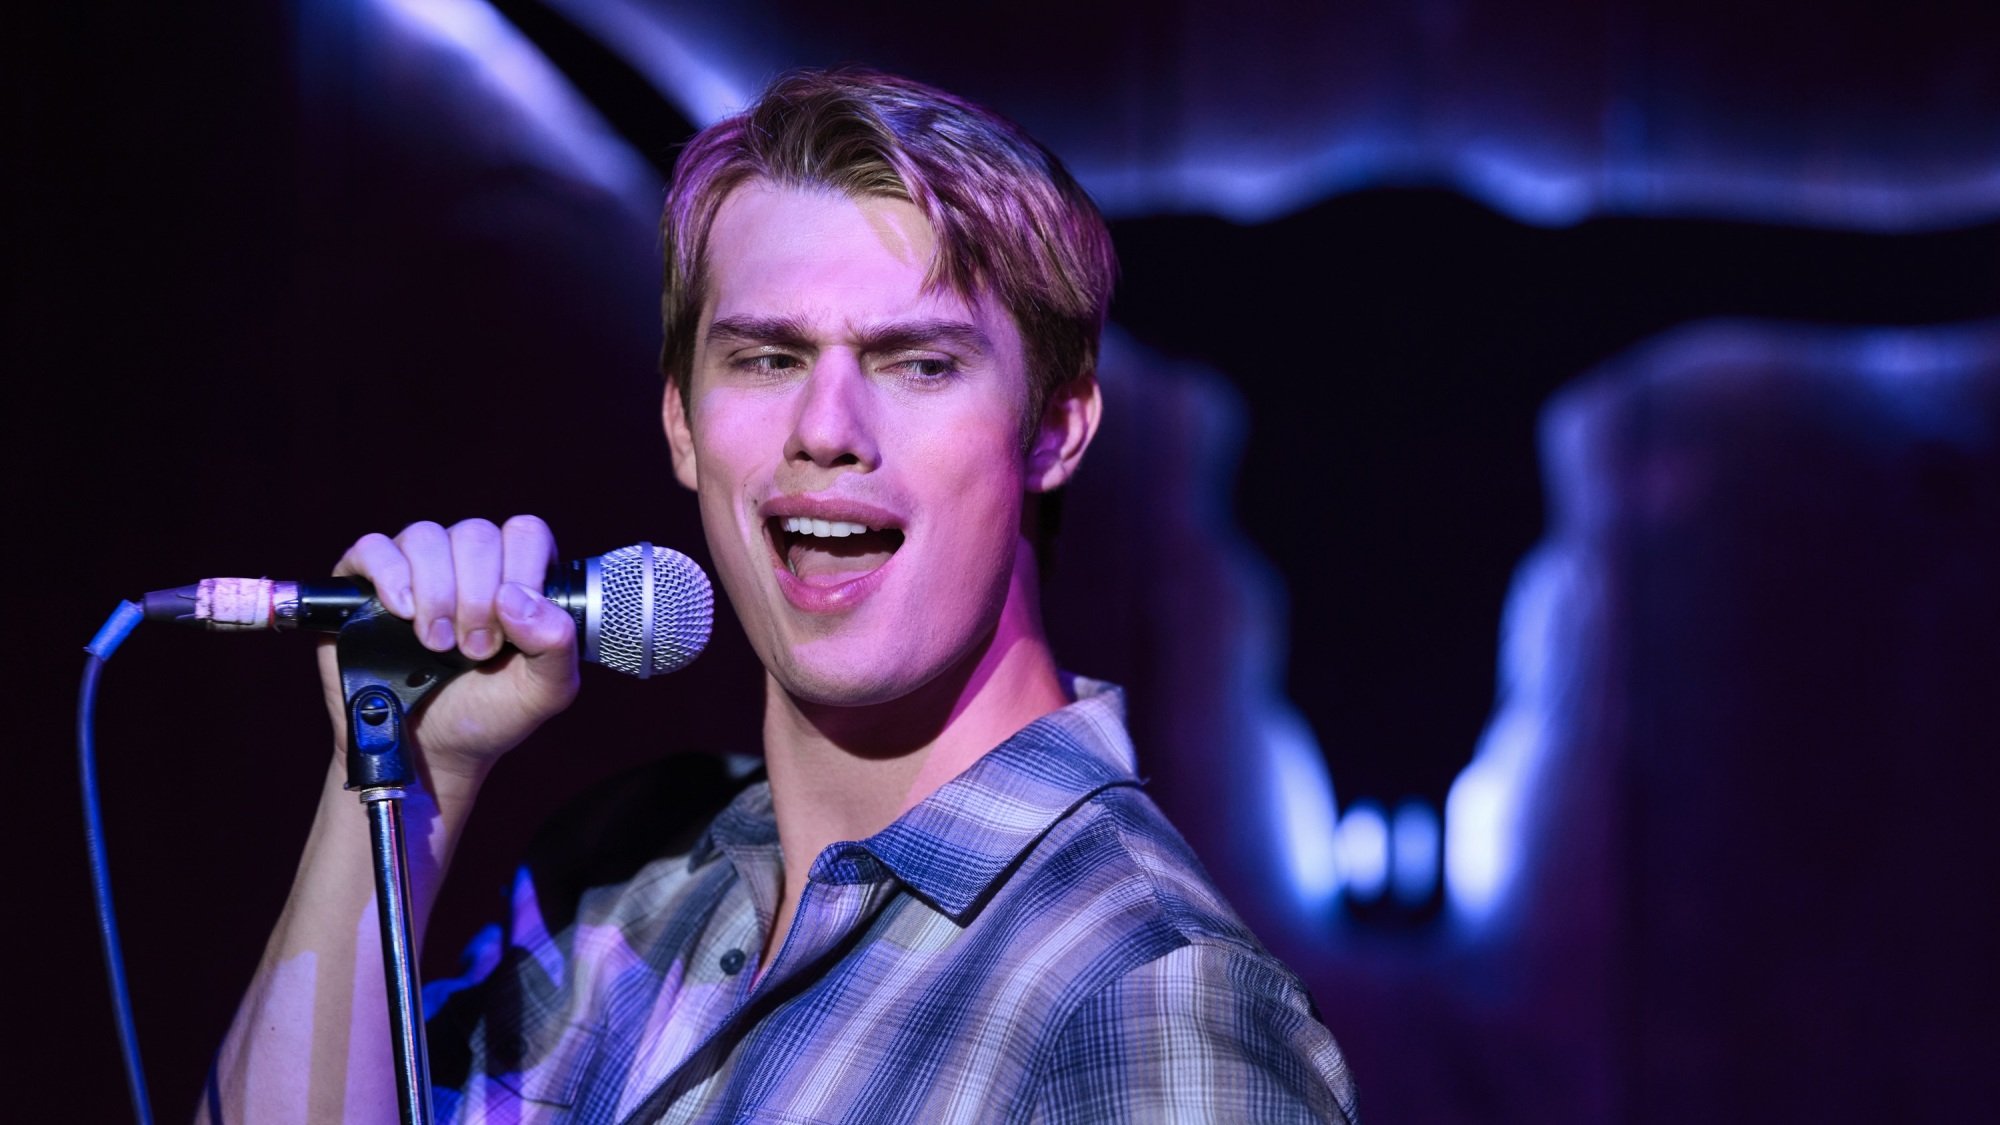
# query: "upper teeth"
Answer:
x=838 y=529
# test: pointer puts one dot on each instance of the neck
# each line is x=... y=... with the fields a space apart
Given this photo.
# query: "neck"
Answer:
x=844 y=773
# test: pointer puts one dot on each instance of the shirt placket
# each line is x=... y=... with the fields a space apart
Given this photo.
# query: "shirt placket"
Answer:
x=696 y=993
x=845 y=889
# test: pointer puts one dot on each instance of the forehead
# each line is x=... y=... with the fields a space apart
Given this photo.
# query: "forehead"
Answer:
x=824 y=257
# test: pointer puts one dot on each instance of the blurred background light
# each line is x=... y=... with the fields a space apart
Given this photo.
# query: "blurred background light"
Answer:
x=1414 y=844
x=1364 y=851
x=565 y=132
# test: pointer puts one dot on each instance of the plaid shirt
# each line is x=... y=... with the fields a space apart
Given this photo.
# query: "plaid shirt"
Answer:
x=1031 y=943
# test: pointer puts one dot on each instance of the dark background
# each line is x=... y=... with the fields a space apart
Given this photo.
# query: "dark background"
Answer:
x=281 y=275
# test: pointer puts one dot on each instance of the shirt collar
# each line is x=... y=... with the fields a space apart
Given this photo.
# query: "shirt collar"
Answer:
x=955 y=846
x=748 y=821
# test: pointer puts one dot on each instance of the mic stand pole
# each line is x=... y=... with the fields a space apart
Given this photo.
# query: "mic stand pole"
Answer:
x=385 y=674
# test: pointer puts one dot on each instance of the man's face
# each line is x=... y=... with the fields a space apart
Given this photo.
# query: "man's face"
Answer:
x=855 y=442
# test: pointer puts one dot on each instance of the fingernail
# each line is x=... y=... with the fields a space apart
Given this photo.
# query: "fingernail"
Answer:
x=516 y=601
x=478 y=643
x=403 y=603
x=519 y=601
x=439 y=634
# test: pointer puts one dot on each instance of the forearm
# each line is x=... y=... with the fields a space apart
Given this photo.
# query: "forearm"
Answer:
x=310 y=1041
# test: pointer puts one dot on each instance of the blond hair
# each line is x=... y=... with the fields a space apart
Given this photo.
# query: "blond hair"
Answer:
x=1009 y=218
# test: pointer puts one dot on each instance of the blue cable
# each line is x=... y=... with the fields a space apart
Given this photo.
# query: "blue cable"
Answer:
x=106 y=642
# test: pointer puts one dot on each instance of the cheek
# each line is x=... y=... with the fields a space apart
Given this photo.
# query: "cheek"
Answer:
x=733 y=459
x=732 y=441
x=974 y=473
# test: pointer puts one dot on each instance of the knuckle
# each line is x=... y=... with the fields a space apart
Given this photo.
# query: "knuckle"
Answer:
x=372 y=554
x=531 y=534
x=527 y=524
x=422 y=531
x=475 y=529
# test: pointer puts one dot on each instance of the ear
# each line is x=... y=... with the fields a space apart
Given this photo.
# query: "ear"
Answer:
x=1069 y=421
x=680 y=437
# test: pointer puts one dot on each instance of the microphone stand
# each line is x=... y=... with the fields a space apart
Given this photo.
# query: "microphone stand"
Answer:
x=384 y=675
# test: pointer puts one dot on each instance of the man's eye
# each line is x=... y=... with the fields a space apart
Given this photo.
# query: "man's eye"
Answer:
x=769 y=363
x=925 y=369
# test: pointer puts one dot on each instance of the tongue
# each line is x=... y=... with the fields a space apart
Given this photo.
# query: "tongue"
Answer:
x=829 y=562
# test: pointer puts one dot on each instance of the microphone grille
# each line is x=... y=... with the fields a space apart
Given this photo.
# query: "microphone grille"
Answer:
x=656 y=610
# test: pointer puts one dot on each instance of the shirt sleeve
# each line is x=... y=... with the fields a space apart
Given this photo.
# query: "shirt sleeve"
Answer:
x=1205 y=1033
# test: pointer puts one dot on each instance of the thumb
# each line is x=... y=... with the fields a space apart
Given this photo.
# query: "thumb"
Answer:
x=544 y=634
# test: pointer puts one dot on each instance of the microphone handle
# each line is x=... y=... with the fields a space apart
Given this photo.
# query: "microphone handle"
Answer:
x=323 y=605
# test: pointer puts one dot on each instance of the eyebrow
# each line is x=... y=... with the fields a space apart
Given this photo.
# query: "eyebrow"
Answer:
x=789 y=331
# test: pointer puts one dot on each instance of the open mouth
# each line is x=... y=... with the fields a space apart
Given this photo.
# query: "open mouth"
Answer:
x=830 y=552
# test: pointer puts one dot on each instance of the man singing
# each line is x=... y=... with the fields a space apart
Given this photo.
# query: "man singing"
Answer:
x=948 y=900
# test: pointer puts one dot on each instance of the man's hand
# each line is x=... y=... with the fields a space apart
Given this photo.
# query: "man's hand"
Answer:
x=303 y=1045
x=474 y=587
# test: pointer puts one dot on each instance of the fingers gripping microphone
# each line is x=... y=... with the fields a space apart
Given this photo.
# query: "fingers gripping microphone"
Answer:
x=642 y=610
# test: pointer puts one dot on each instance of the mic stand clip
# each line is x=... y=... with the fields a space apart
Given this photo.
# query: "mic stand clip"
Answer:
x=385 y=674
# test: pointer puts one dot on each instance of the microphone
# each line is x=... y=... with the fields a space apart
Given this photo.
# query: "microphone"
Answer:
x=642 y=610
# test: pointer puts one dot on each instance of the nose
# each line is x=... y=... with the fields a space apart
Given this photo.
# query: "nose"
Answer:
x=832 y=427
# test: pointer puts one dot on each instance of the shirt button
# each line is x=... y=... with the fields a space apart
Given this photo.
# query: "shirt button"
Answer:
x=732 y=962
